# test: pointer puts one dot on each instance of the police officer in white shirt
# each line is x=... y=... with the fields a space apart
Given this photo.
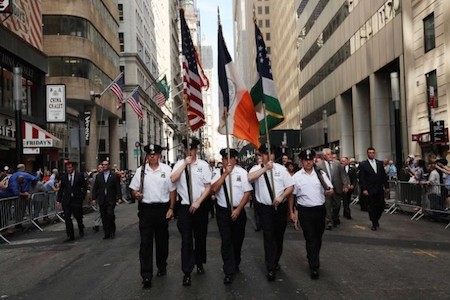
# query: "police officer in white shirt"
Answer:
x=194 y=209
x=273 y=185
x=230 y=214
x=156 y=194
x=311 y=187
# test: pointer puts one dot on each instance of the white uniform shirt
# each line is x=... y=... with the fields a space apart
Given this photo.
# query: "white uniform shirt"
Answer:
x=281 y=179
x=240 y=186
x=201 y=176
x=157 y=184
x=308 y=190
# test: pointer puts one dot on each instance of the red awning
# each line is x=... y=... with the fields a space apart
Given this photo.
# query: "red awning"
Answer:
x=34 y=136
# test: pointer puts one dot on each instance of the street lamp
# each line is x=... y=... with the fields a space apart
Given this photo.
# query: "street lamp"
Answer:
x=168 y=134
x=17 y=95
x=395 y=89
x=325 y=128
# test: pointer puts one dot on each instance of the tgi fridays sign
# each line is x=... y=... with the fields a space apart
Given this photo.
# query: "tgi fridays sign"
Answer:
x=26 y=19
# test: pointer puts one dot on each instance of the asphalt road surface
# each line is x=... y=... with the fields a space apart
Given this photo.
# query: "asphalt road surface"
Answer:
x=403 y=260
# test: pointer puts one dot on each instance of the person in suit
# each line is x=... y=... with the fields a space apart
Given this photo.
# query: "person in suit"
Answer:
x=336 y=173
x=71 y=195
x=107 y=192
x=352 y=173
x=374 y=183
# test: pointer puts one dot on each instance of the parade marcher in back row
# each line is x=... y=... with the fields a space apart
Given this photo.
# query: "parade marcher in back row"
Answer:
x=192 y=178
x=230 y=213
x=271 y=196
x=156 y=194
x=311 y=185
x=107 y=192
x=71 y=195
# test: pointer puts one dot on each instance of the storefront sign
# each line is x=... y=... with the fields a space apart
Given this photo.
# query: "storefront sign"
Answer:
x=56 y=103
x=87 y=126
x=438 y=132
x=31 y=150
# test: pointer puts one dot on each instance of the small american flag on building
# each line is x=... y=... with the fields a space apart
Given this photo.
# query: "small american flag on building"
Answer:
x=117 y=89
x=135 y=104
x=160 y=99
x=192 y=81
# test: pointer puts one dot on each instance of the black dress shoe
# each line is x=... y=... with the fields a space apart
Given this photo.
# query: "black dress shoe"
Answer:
x=329 y=227
x=69 y=239
x=161 y=272
x=373 y=228
x=146 y=283
x=96 y=228
x=107 y=237
x=271 y=276
x=314 y=274
x=228 y=279
x=348 y=217
x=277 y=267
x=187 y=280
x=200 y=270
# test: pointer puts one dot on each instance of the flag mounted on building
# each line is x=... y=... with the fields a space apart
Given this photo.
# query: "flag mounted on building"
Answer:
x=163 y=91
x=234 y=98
x=263 y=92
x=193 y=83
x=135 y=104
x=117 y=88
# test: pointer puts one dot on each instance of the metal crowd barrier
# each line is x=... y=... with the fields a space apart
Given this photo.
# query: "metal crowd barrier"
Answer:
x=18 y=211
x=422 y=199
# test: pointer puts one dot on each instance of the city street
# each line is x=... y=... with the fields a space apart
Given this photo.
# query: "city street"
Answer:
x=403 y=260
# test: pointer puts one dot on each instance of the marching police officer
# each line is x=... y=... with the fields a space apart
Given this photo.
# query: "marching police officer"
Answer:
x=311 y=185
x=192 y=177
x=273 y=185
x=230 y=214
x=156 y=194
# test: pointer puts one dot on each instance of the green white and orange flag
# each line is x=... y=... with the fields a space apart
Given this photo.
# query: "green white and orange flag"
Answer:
x=235 y=99
x=264 y=92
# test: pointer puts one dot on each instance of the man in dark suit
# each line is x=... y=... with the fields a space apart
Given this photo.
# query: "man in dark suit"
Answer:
x=71 y=195
x=107 y=192
x=352 y=173
x=374 y=183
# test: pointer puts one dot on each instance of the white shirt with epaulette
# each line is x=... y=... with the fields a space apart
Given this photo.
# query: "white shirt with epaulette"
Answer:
x=240 y=185
x=308 y=190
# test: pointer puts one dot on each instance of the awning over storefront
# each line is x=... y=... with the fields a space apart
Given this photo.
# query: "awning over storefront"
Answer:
x=36 y=137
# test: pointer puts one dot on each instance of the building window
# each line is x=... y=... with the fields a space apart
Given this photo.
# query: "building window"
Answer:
x=260 y=23
x=259 y=10
x=268 y=50
x=267 y=23
x=121 y=43
x=267 y=11
x=432 y=89
x=120 y=7
x=102 y=145
x=428 y=32
x=267 y=36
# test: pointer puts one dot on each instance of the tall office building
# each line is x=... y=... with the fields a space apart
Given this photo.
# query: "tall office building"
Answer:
x=83 y=48
x=21 y=46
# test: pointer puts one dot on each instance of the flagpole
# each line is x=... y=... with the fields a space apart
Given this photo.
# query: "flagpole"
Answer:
x=268 y=146
x=188 y=147
x=156 y=80
x=110 y=85
x=225 y=116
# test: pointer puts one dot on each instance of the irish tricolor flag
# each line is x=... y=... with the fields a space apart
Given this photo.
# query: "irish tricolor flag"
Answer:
x=241 y=119
x=264 y=92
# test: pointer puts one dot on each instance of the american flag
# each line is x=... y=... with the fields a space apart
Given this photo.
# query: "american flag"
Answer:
x=192 y=81
x=133 y=100
x=160 y=99
x=117 y=88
